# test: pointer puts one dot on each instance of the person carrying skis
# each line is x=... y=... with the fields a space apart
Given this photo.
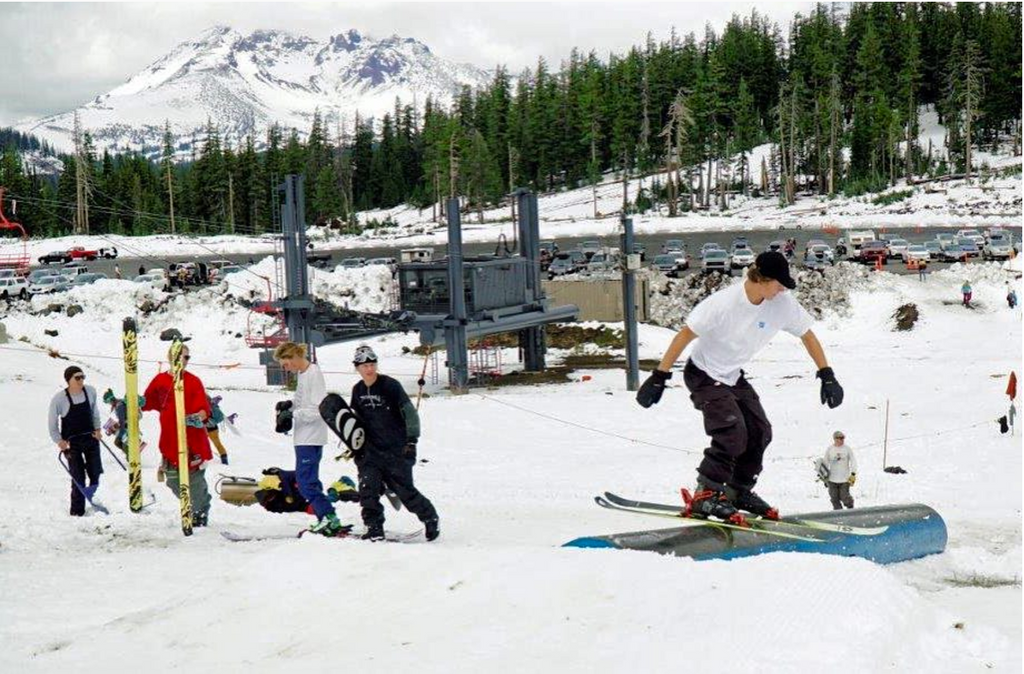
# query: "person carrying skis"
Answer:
x=389 y=453
x=74 y=425
x=729 y=328
x=159 y=397
x=213 y=430
x=309 y=432
x=842 y=471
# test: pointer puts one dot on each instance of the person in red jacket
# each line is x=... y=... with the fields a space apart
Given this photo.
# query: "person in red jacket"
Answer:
x=160 y=398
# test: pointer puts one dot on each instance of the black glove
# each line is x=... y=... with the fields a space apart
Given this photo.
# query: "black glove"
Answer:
x=652 y=388
x=283 y=421
x=224 y=459
x=409 y=451
x=831 y=391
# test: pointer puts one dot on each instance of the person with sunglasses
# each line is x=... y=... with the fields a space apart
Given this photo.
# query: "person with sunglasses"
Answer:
x=389 y=453
x=160 y=398
x=74 y=423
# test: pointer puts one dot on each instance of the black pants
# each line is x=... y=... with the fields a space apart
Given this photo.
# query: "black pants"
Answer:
x=379 y=469
x=738 y=427
x=83 y=459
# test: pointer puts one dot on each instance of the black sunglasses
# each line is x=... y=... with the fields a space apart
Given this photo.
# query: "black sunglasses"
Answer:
x=79 y=377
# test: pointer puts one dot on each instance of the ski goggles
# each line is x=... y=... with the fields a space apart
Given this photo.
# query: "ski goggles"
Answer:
x=364 y=354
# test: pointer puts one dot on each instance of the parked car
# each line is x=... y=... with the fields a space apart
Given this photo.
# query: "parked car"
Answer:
x=951 y=252
x=108 y=253
x=81 y=253
x=157 y=281
x=811 y=243
x=997 y=247
x=353 y=262
x=742 y=257
x=9 y=273
x=969 y=247
x=590 y=247
x=229 y=269
x=945 y=238
x=704 y=249
x=48 y=284
x=73 y=269
x=814 y=262
x=60 y=256
x=776 y=246
x=871 y=252
x=640 y=249
x=897 y=247
x=739 y=242
x=604 y=260
x=934 y=249
x=564 y=263
x=673 y=246
x=37 y=274
x=918 y=252
x=972 y=235
x=12 y=287
x=820 y=253
x=87 y=279
x=388 y=262
x=668 y=264
x=716 y=260
x=550 y=246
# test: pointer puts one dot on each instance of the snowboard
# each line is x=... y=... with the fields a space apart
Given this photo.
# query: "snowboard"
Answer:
x=347 y=532
x=343 y=421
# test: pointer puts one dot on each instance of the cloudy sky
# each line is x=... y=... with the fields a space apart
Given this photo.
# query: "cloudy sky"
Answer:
x=58 y=56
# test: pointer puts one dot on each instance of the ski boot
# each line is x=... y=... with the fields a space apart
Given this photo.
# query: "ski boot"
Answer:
x=374 y=533
x=431 y=529
x=200 y=519
x=709 y=500
x=745 y=499
x=329 y=525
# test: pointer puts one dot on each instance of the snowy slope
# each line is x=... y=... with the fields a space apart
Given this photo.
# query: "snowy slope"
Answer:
x=496 y=593
x=245 y=83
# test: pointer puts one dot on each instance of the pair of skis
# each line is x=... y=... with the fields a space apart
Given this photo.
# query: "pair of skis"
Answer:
x=786 y=527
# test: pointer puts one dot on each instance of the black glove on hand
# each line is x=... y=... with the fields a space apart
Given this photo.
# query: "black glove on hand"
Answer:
x=831 y=391
x=652 y=388
x=283 y=420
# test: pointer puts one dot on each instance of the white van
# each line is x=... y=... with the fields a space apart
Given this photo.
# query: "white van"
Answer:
x=858 y=239
x=416 y=255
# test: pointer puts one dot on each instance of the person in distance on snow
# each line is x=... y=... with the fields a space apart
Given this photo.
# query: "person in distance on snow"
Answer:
x=74 y=424
x=389 y=453
x=729 y=328
x=159 y=397
x=842 y=471
x=309 y=433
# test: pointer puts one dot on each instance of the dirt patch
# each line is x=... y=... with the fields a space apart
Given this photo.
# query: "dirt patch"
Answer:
x=906 y=316
x=604 y=361
x=559 y=336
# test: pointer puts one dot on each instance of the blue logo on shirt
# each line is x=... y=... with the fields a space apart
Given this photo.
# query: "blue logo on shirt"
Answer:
x=761 y=324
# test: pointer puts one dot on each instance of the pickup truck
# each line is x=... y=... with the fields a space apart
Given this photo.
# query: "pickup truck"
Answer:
x=80 y=253
x=872 y=252
x=108 y=253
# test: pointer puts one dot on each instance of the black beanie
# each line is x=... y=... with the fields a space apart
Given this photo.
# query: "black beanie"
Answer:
x=70 y=372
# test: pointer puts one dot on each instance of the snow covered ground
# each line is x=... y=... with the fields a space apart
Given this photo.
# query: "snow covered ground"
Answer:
x=513 y=481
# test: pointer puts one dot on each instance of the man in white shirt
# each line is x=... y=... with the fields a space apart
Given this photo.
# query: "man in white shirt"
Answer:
x=730 y=327
x=842 y=471
x=309 y=432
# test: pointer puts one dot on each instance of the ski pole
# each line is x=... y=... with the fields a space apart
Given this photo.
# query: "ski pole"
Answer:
x=64 y=465
x=113 y=454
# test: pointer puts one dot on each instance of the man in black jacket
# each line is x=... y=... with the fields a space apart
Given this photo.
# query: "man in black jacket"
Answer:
x=392 y=430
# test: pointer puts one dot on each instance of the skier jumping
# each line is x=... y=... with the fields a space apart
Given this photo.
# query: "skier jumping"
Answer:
x=730 y=327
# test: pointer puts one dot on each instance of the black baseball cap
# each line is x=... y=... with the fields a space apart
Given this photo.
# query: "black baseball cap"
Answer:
x=773 y=265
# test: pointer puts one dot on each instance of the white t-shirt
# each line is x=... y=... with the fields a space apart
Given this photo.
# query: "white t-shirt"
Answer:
x=841 y=463
x=731 y=330
x=308 y=427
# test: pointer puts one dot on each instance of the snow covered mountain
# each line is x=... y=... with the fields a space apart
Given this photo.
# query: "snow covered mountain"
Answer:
x=247 y=82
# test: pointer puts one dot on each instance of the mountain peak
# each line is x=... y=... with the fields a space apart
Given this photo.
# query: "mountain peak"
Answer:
x=246 y=82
